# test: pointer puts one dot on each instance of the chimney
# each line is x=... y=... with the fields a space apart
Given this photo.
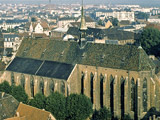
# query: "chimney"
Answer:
x=17 y=114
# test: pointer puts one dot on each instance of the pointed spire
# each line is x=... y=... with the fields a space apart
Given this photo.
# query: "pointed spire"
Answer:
x=83 y=22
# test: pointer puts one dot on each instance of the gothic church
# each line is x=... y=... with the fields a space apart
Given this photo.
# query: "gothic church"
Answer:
x=121 y=78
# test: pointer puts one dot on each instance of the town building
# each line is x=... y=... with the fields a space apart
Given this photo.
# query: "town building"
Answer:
x=11 y=24
x=8 y=106
x=89 y=22
x=11 y=109
x=120 y=15
x=62 y=22
x=154 y=19
x=155 y=11
x=26 y=112
x=11 y=41
x=38 y=27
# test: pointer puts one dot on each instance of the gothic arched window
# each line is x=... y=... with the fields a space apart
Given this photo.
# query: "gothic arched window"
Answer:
x=101 y=90
x=32 y=86
x=22 y=81
x=52 y=86
x=12 y=79
x=63 y=88
x=133 y=91
x=111 y=94
x=122 y=94
x=145 y=95
x=91 y=91
x=82 y=83
x=42 y=87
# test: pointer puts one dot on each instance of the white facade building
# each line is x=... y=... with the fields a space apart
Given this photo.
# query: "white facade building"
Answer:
x=11 y=41
x=154 y=19
x=120 y=15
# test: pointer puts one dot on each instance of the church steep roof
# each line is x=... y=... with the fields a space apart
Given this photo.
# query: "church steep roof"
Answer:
x=41 y=68
x=101 y=55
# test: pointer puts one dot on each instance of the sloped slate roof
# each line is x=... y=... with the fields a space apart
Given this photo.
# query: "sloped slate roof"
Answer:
x=112 y=34
x=101 y=55
x=8 y=106
x=41 y=68
x=10 y=35
x=88 y=19
x=55 y=70
x=22 y=65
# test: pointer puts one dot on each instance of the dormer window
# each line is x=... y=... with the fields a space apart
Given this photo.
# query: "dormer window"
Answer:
x=103 y=56
x=83 y=55
x=44 y=51
x=62 y=53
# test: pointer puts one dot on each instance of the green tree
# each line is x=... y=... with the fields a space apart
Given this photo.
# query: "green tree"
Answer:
x=33 y=19
x=38 y=101
x=150 y=41
x=79 y=107
x=102 y=114
x=5 y=87
x=127 y=117
x=19 y=93
x=100 y=22
x=55 y=103
x=114 y=21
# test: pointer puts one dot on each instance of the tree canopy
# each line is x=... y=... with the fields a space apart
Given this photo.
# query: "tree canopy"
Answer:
x=5 y=87
x=114 y=21
x=38 y=101
x=33 y=19
x=127 y=117
x=19 y=93
x=79 y=107
x=16 y=91
x=150 y=41
x=55 y=103
x=102 y=114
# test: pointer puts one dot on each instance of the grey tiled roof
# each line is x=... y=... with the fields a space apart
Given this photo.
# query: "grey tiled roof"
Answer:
x=112 y=34
x=101 y=55
x=8 y=106
x=41 y=68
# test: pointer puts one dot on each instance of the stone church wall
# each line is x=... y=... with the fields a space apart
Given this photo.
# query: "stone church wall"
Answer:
x=35 y=84
x=122 y=91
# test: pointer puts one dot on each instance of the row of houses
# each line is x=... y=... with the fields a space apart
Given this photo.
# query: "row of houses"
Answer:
x=11 y=24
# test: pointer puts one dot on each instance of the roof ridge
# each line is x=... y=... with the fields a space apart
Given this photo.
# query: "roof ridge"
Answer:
x=33 y=107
